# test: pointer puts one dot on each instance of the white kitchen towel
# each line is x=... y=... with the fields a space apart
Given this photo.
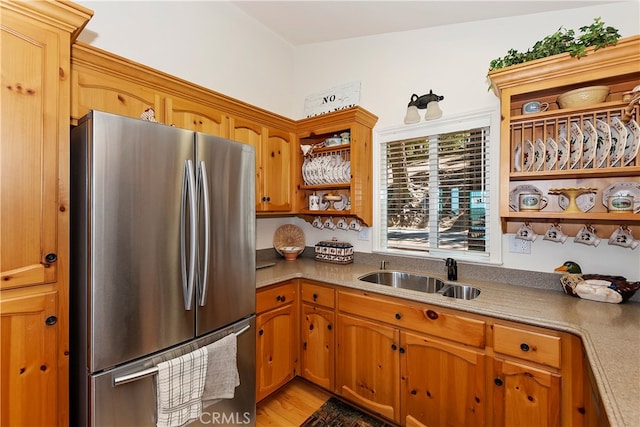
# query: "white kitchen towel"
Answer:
x=180 y=383
x=222 y=370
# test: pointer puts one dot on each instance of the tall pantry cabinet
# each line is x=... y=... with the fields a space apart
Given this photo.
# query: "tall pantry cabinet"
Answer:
x=35 y=43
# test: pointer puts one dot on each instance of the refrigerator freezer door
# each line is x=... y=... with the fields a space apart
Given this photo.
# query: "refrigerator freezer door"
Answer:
x=226 y=188
x=127 y=281
x=134 y=403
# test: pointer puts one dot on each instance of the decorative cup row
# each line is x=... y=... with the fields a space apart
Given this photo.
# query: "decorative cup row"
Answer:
x=327 y=168
x=621 y=236
x=341 y=224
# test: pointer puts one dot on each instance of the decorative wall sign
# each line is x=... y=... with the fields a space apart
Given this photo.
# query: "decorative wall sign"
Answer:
x=334 y=99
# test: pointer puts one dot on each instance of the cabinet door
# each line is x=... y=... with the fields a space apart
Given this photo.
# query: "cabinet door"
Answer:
x=93 y=90
x=251 y=133
x=442 y=383
x=368 y=365
x=29 y=151
x=523 y=395
x=276 y=170
x=190 y=115
x=29 y=360
x=318 y=348
x=275 y=349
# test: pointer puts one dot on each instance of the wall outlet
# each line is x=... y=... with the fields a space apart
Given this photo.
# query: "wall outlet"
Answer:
x=364 y=233
x=519 y=246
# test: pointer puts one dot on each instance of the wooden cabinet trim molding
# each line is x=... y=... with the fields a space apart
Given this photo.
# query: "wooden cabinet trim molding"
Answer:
x=65 y=16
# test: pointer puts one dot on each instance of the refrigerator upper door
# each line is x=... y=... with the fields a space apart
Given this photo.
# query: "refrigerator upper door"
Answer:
x=135 y=179
x=225 y=173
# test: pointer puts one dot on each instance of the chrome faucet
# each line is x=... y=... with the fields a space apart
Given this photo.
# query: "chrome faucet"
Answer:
x=452 y=269
x=383 y=265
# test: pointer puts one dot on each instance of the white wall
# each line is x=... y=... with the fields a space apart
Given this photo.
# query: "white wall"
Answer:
x=210 y=43
x=216 y=45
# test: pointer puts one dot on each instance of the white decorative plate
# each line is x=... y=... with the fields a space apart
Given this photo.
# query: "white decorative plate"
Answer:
x=538 y=155
x=589 y=142
x=527 y=162
x=515 y=194
x=618 y=140
x=603 y=145
x=517 y=158
x=623 y=189
x=563 y=152
x=633 y=142
x=341 y=204
x=575 y=146
x=585 y=201
x=551 y=154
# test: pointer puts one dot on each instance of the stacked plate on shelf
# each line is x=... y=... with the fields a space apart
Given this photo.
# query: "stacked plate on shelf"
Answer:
x=598 y=144
x=326 y=168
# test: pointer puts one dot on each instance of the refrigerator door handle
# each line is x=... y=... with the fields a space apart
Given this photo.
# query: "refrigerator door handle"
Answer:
x=188 y=196
x=128 y=378
x=204 y=187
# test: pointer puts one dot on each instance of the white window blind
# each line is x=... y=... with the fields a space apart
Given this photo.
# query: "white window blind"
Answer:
x=435 y=191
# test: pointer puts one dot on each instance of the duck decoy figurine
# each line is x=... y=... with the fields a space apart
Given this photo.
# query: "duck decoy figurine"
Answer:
x=596 y=287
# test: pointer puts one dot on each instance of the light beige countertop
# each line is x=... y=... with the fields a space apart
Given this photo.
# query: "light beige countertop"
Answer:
x=610 y=332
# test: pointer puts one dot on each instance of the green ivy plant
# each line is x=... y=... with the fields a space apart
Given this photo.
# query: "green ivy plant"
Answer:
x=562 y=41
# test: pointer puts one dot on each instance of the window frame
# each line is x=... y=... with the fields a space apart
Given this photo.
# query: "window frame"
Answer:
x=461 y=122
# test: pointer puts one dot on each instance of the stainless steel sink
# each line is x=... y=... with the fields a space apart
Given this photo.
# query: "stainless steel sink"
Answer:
x=416 y=282
x=402 y=280
x=461 y=291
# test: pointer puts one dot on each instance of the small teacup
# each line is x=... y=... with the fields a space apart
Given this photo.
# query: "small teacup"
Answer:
x=342 y=224
x=525 y=232
x=355 y=225
x=532 y=202
x=555 y=234
x=587 y=235
x=620 y=203
x=534 y=107
x=328 y=223
x=622 y=237
x=317 y=223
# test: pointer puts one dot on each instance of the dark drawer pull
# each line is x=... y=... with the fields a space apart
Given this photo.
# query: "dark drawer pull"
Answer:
x=498 y=381
x=524 y=347
x=432 y=314
x=398 y=316
x=315 y=297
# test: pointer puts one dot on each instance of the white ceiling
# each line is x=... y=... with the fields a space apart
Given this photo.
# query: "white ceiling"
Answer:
x=310 y=21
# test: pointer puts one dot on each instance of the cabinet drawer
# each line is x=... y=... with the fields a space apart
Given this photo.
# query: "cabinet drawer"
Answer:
x=317 y=294
x=418 y=317
x=275 y=296
x=529 y=345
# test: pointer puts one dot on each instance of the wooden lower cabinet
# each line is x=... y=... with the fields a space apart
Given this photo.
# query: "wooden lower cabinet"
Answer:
x=318 y=345
x=524 y=395
x=394 y=358
x=29 y=360
x=442 y=383
x=368 y=365
x=277 y=327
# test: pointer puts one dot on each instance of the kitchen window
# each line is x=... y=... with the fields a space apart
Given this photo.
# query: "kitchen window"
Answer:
x=435 y=189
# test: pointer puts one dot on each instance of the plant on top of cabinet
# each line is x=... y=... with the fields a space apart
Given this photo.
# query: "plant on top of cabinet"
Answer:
x=562 y=41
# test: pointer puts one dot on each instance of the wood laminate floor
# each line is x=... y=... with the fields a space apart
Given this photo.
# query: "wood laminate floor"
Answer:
x=291 y=405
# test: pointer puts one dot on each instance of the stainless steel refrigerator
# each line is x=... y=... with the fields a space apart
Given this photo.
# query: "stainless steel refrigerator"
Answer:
x=162 y=263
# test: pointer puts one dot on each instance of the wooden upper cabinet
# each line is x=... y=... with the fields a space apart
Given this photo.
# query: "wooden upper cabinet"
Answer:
x=273 y=162
x=34 y=138
x=191 y=115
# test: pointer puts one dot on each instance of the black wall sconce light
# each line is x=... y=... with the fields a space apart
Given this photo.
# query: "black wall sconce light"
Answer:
x=428 y=102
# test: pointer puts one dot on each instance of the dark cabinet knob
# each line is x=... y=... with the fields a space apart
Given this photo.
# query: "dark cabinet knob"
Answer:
x=315 y=297
x=278 y=298
x=432 y=314
x=414 y=392
x=261 y=331
x=402 y=350
x=283 y=298
x=304 y=345
x=524 y=347
x=498 y=381
x=51 y=320
x=394 y=347
x=329 y=327
x=268 y=199
x=51 y=258
x=398 y=316
x=264 y=199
